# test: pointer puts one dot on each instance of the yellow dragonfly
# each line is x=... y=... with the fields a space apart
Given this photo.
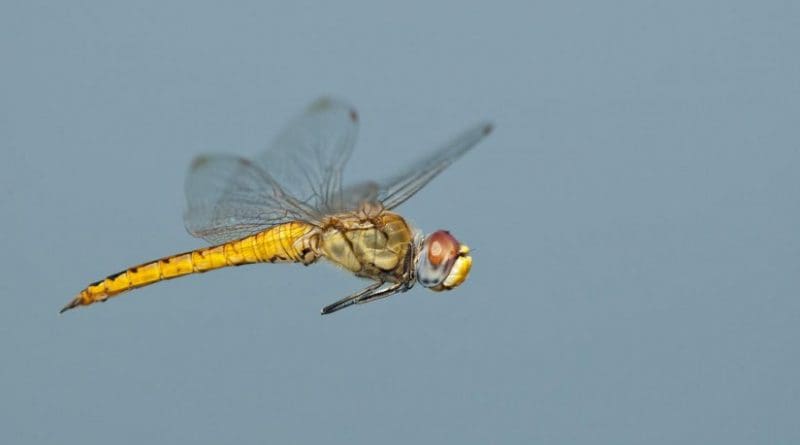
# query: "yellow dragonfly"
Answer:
x=289 y=205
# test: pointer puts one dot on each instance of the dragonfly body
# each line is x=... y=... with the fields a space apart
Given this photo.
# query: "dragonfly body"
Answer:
x=289 y=206
x=370 y=245
x=277 y=244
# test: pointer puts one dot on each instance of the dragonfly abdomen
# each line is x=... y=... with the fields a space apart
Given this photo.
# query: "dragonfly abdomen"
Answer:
x=281 y=243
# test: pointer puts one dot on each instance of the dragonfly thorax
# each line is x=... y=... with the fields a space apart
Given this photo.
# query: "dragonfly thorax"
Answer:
x=371 y=246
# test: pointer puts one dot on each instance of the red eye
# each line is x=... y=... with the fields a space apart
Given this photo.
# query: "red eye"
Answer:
x=441 y=247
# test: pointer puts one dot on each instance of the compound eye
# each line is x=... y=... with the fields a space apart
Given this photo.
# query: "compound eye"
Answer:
x=442 y=248
x=439 y=252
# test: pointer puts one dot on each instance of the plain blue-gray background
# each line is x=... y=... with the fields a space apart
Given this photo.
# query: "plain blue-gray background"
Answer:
x=634 y=219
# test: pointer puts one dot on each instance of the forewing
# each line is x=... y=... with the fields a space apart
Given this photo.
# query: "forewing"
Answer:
x=399 y=188
x=308 y=156
x=297 y=178
x=229 y=197
x=300 y=177
x=355 y=195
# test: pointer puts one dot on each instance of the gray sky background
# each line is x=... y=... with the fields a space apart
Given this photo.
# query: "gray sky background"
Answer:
x=634 y=219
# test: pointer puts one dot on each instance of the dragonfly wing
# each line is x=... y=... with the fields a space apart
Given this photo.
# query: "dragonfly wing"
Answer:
x=297 y=178
x=362 y=192
x=398 y=189
x=229 y=197
x=300 y=177
x=308 y=156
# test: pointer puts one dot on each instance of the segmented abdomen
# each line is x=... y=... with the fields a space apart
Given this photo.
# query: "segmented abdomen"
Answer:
x=277 y=244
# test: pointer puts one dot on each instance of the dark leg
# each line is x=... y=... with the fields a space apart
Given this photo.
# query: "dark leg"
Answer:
x=382 y=293
x=351 y=299
x=372 y=293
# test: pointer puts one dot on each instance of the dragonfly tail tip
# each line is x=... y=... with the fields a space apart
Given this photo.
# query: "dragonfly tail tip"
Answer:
x=71 y=305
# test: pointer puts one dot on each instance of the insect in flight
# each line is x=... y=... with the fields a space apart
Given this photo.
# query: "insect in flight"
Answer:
x=289 y=205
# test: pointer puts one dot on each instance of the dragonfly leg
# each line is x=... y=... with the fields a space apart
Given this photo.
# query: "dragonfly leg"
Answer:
x=382 y=293
x=373 y=293
x=351 y=299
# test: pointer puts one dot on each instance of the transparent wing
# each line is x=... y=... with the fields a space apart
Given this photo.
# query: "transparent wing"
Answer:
x=355 y=195
x=229 y=197
x=297 y=178
x=300 y=177
x=308 y=156
x=396 y=190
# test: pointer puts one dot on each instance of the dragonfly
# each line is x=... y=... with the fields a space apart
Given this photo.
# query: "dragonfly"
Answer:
x=289 y=205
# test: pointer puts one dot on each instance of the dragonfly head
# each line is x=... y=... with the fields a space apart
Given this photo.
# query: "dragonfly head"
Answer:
x=443 y=263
